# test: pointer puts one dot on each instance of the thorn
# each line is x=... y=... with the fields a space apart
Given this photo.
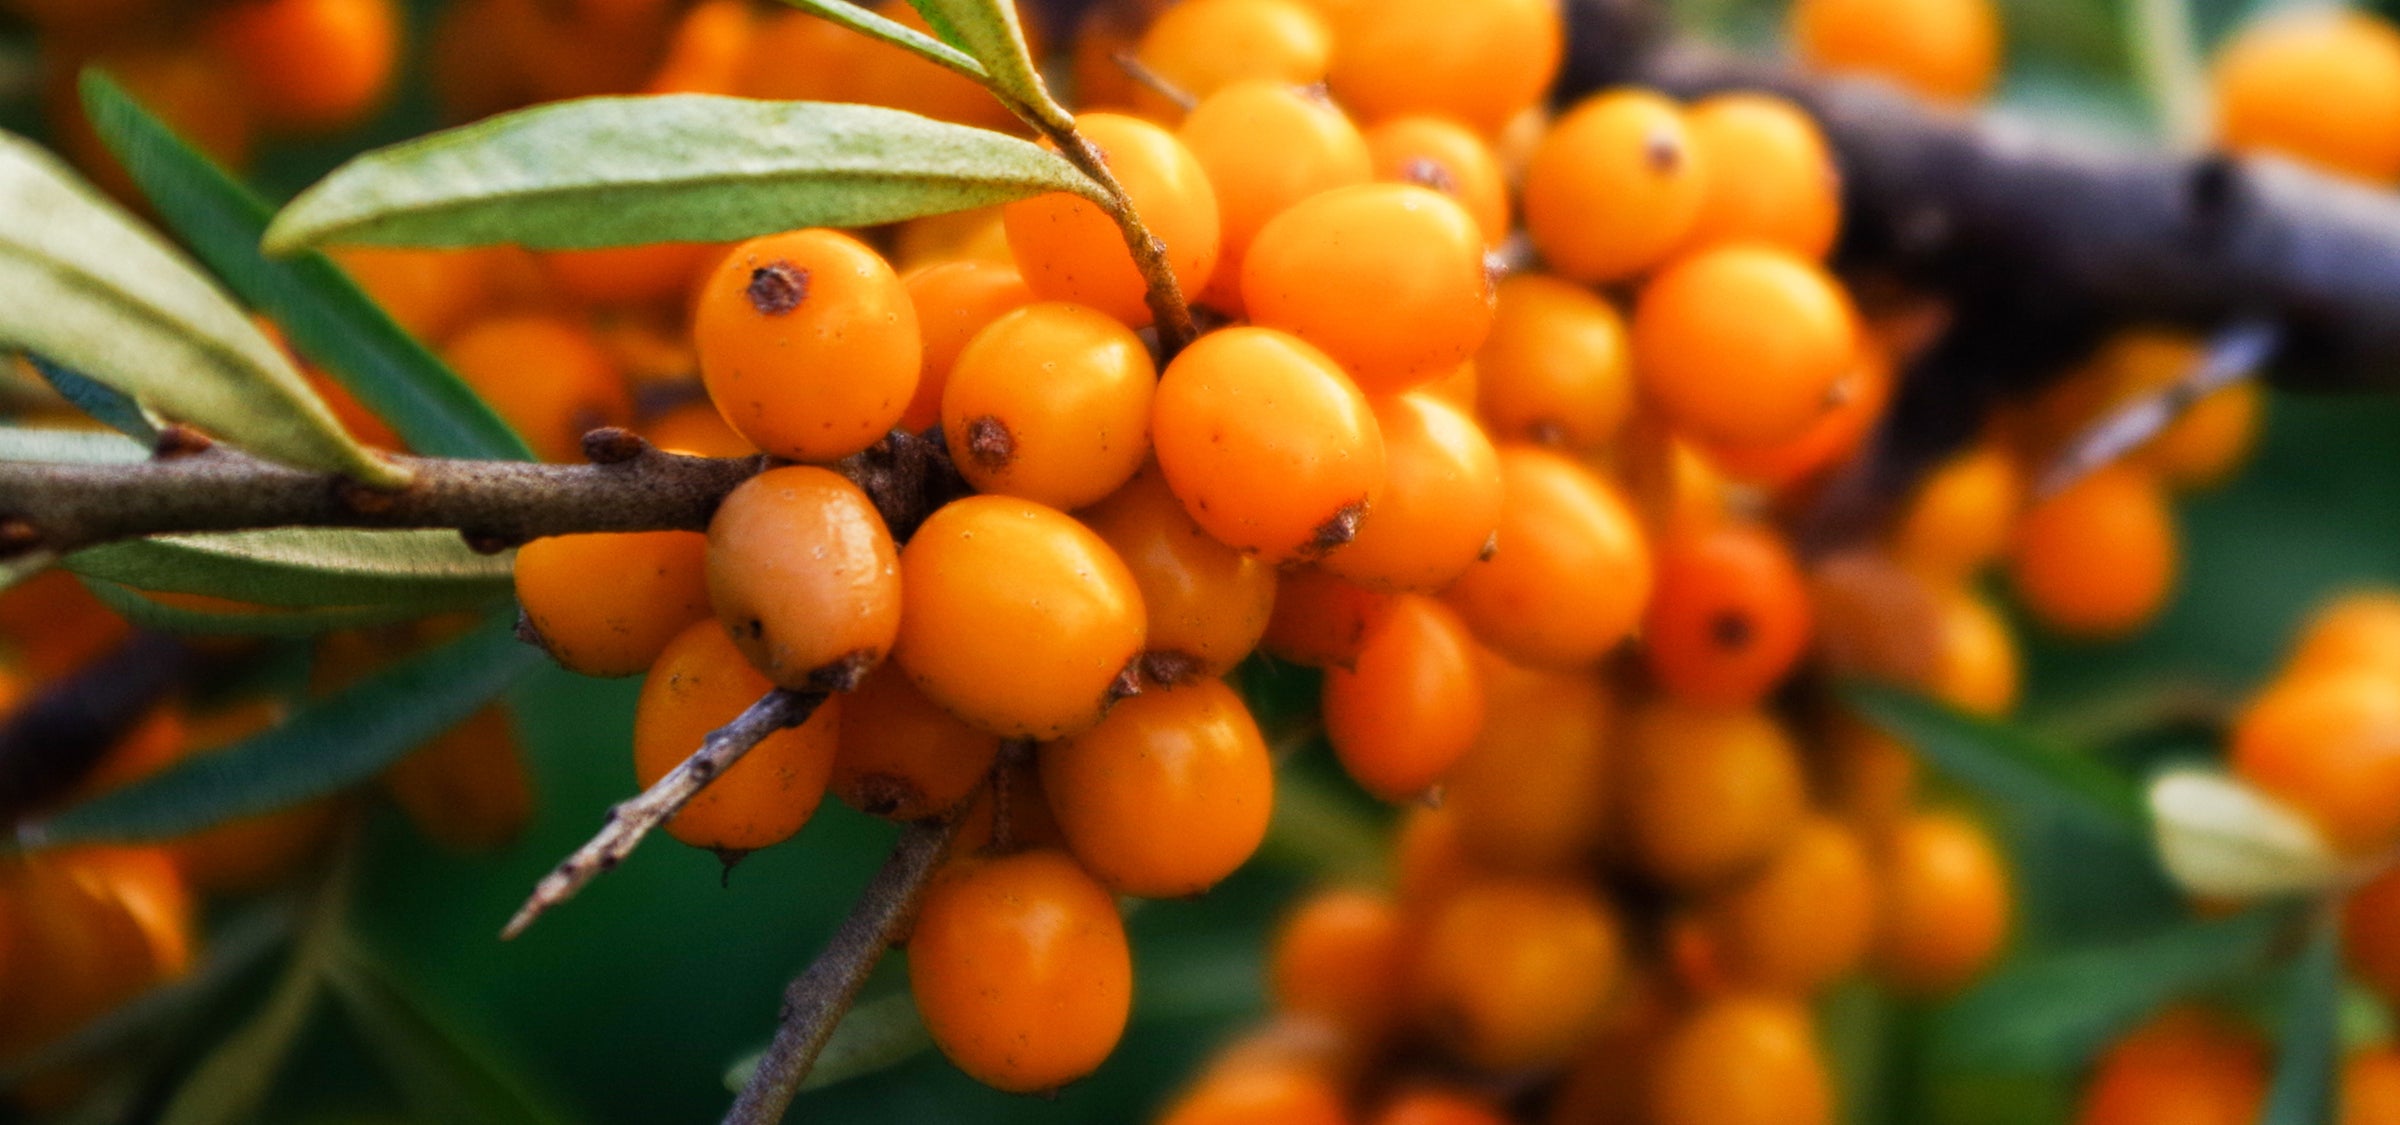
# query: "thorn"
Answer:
x=179 y=440
x=613 y=445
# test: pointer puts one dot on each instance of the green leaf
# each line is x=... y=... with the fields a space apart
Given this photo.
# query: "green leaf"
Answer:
x=89 y=288
x=327 y=316
x=263 y=621
x=70 y=447
x=989 y=30
x=875 y=1036
x=2058 y=1010
x=2309 y=1068
x=231 y=1085
x=2003 y=763
x=442 y=1075
x=866 y=22
x=110 y=407
x=329 y=746
x=680 y=168
x=305 y=567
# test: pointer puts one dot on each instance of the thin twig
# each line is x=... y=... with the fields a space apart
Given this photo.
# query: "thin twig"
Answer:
x=632 y=820
x=814 y=1003
x=1168 y=308
x=2235 y=354
x=55 y=740
x=1156 y=83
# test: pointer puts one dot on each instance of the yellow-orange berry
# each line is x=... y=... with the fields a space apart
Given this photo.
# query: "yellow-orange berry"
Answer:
x=2318 y=85
x=1203 y=46
x=2185 y=1066
x=1614 y=187
x=1730 y=615
x=900 y=756
x=2328 y=743
x=1070 y=250
x=808 y=344
x=1962 y=515
x=1440 y=504
x=1207 y=604
x=954 y=301
x=1050 y=402
x=1742 y=1060
x=549 y=378
x=1707 y=794
x=1481 y=63
x=1335 y=958
x=1557 y=367
x=702 y=682
x=1441 y=154
x=310 y=65
x=2357 y=630
x=1778 y=184
x=1948 y=50
x=805 y=577
x=607 y=604
x=468 y=790
x=1804 y=919
x=1266 y=146
x=1570 y=572
x=1411 y=704
x=1945 y=904
x=1534 y=793
x=1168 y=794
x=1514 y=972
x=1322 y=620
x=2098 y=559
x=1743 y=344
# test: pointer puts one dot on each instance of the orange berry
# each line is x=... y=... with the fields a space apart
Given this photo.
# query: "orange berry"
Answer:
x=2098 y=559
x=2211 y=437
x=1708 y=794
x=1411 y=705
x=1020 y=969
x=1742 y=1060
x=954 y=301
x=1020 y=620
x=1835 y=438
x=431 y=293
x=606 y=604
x=808 y=344
x=1070 y=250
x=1571 y=572
x=310 y=65
x=1947 y=50
x=1335 y=957
x=805 y=577
x=1805 y=919
x=1441 y=154
x=548 y=378
x=1388 y=279
x=882 y=74
x=2319 y=85
x=2183 y=1067
x=1482 y=63
x=802 y=56
x=1945 y=904
x=467 y=790
x=2371 y=1087
x=1533 y=794
x=2329 y=744
x=1780 y=185
x=1557 y=368
x=1260 y=1093
x=695 y=428
x=1168 y=795
x=702 y=682
x=1203 y=46
x=1614 y=187
x=903 y=758
x=1050 y=402
x=1871 y=776
x=1440 y=504
x=1730 y=615
x=658 y=275
x=708 y=52
x=1269 y=446
x=2357 y=630
x=1513 y=973
x=1266 y=146
x=1321 y=620
x=1962 y=515
x=1743 y=344
x=1207 y=604
x=1429 y=859
x=1436 y=1106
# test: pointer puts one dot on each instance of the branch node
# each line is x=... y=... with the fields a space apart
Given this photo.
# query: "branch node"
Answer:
x=613 y=445
x=179 y=440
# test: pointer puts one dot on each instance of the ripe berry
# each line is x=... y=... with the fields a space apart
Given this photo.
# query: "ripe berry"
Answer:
x=468 y=790
x=1020 y=620
x=2185 y=1066
x=702 y=682
x=1947 y=50
x=954 y=301
x=1411 y=705
x=1962 y=515
x=808 y=344
x=1742 y=1060
x=1020 y=969
x=1805 y=919
x=1252 y=1093
x=903 y=758
x=1779 y=187
x=1203 y=46
x=1743 y=344
x=1322 y=620
x=1050 y=402
x=1168 y=795
x=310 y=65
x=1571 y=570
x=1945 y=904
x=1388 y=279
x=1729 y=618
x=1534 y=793
x=2328 y=743
x=548 y=378
x=1482 y=63
x=606 y=604
x=1440 y=503
x=2098 y=559
x=805 y=577
x=1335 y=957
x=1266 y=146
x=1441 y=154
x=2318 y=85
x=1438 y=1106
x=1614 y=187
x=1557 y=368
x=1513 y=973
x=2357 y=630
x=1207 y=604
x=1707 y=794
x=1070 y=250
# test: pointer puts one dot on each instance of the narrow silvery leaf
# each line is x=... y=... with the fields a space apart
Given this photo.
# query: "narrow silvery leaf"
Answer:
x=2221 y=838
x=866 y=22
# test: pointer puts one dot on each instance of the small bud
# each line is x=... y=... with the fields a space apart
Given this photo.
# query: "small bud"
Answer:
x=2219 y=837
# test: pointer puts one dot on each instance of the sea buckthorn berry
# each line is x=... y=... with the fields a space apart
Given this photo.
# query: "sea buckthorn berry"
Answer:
x=1677 y=489
x=1203 y=46
x=2329 y=744
x=1050 y=402
x=696 y=429
x=1429 y=859
x=1207 y=603
x=549 y=378
x=1020 y=620
x=888 y=75
x=1744 y=344
x=1606 y=1085
x=1975 y=663
x=2358 y=630
x=802 y=56
x=1875 y=618
x=1440 y=504
x=1947 y=50
x=1557 y=368
x=808 y=344
x=1270 y=447
x=1781 y=186
x=1835 y=438
x=1168 y=795
x=1411 y=705
x=1335 y=957
x=2186 y=1066
x=1729 y=618
x=467 y=790
x=1870 y=777
x=903 y=758
x=1962 y=515
x=2098 y=559
x=2371 y=1086
x=78 y=951
x=708 y=51
x=1255 y=1093
x=605 y=604
x=1513 y=973
x=1742 y=1060
x=310 y=65
x=1533 y=795
x=1266 y=146
x=2318 y=85
x=1614 y=187
x=1322 y=620
x=1571 y=570
x=659 y=275
x=1070 y=250
x=805 y=577
x=1388 y=279
x=1020 y=969
x=431 y=293
x=954 y=301
x=1437 y=1106
x=1805 y=919
x=1011 y=814
x=1707 y=794
x=1482 y=63
x=1441 y=154
x=703 y=682
x=248 y=854
x=1945 y=904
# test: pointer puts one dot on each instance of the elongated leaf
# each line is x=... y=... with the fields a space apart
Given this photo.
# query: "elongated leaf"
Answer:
x=89 y=288
x=681 y=168
x=232 y=1083
x=2309 y=1067
x=70 y=447
x=866 y=22
x=304 y=567
x=2221 y=837
x=875 y=1036
x=2003 y=763
x=989 y=30
x=110 y=407
x=443 y=1077
x=331 y=745
x=2058 y=1010
x=166 y=616
x=328 y=318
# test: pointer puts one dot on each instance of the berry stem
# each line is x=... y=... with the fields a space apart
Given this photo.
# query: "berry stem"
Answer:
x=1165 y=296
x=629 y=822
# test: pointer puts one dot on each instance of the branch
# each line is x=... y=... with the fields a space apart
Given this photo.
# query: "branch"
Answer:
x=632 y=820
x=52 y=742
x=814 y=1003
x=1165 y=295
